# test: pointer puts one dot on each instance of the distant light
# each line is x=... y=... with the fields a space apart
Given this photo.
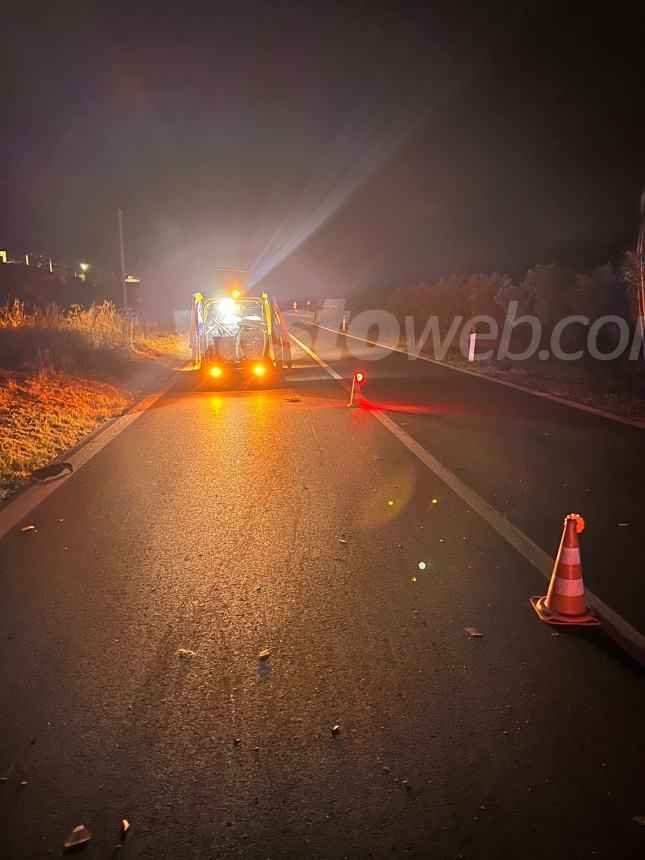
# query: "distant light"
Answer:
x=215 y=371
x=259 y=370
x=422 y=565
x=84 y=266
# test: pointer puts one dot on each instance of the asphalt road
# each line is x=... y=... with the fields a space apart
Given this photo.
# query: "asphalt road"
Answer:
x=227 y=522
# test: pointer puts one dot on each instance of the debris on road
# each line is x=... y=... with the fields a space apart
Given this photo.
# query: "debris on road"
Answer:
x=29 y=528
x=473 y=632
x=80 y=835
x=294 y=400
x=52 y=472
x=125 y=826
x=342 y=540
x=406 y=784
x=264 y=654
x=185 y=653
x=622 y=525
x=413 y=579
x=335 y=730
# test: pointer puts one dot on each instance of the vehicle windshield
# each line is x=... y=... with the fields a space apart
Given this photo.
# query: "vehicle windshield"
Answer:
x=224 y=316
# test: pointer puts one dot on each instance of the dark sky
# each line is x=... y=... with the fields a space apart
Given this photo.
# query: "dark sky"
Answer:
x=331 y=146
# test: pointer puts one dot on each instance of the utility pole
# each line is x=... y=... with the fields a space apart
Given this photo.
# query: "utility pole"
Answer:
x=640 y=273
x=124 y=285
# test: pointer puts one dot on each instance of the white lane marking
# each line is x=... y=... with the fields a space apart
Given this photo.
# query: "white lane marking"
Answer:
x=639 y=423
x=20 y=508
x=316 y=358
x=534 y=554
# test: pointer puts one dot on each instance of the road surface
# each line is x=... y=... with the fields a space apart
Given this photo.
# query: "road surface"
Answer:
x=219 y=524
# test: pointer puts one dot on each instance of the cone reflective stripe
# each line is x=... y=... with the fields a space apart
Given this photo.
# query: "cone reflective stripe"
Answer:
x=356 y=392
x=564 y=602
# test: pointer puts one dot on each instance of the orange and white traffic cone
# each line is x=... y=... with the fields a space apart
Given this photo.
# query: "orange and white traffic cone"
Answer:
x=564 y=602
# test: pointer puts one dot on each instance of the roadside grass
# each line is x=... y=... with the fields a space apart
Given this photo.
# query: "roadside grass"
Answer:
x=159 y=344
x=44 y=414
x=63 y=373
x=99 y=340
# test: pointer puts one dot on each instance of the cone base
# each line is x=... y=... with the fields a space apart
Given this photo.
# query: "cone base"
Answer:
x=588 y=619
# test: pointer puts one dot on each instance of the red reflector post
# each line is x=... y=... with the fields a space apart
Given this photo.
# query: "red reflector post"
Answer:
x=356 y=394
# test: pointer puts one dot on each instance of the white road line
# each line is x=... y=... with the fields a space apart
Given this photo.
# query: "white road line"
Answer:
x=18 y=510
x=639 y=423
x=631 y=638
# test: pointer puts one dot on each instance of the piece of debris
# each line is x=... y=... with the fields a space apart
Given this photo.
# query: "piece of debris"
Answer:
x=639 y=819
x=125 y=826
x=294 y=400
x=413 y=579
x=622 y=525
x=185 y=653
x=342 y=540
x=79 y=836
x=555 y=634
x=236 y=742
x=473 y=632
x=264 y=654
x=406 y=784
x=29 y=528
x=52 y=472
x=23 y=782
x=335 y=730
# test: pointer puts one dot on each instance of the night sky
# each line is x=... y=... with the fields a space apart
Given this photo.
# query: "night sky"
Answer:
x=332 y=147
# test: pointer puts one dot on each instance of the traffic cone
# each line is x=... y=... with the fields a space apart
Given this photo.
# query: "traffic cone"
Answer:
x=564 y=602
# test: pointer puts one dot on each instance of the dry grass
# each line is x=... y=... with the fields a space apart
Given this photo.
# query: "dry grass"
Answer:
x=98 y=339
x=43 y=415
x=50 y=365
x=171 y=346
